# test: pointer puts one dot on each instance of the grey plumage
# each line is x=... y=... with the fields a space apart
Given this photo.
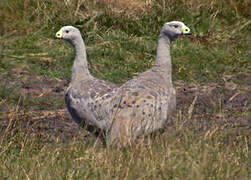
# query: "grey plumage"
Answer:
x=86 y=97
x=138 y=107
x=148 y=100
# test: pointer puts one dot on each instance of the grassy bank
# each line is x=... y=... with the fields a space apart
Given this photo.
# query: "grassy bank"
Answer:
x=209 y=136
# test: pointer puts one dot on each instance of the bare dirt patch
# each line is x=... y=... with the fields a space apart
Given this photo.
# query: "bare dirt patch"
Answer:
x=201 y=106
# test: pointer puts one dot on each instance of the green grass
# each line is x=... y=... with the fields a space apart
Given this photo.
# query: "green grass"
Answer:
x=128 y=42
x=121 y=42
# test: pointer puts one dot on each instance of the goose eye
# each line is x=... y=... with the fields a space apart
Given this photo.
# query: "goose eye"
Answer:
x=67 y=31
x=176 y=26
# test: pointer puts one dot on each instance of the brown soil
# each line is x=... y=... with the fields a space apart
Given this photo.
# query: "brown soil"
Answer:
x=225 y=105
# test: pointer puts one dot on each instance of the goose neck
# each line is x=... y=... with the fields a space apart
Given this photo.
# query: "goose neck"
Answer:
x=80 y=66
x=163 y=51
x=163 y=57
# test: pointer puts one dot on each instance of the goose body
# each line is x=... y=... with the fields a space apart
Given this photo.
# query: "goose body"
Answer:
x=86 y=102
x=138 y=107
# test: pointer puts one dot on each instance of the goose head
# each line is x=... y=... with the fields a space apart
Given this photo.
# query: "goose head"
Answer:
x=174 y=29
x=68 y=33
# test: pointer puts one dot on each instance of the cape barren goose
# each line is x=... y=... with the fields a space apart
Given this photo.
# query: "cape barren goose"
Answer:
x=86 y=97
x=138 y=107
x=148 y=100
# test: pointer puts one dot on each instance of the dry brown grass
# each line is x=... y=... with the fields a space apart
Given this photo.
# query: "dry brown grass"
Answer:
x=240 y=7
x=128 y=7
x=32 y=14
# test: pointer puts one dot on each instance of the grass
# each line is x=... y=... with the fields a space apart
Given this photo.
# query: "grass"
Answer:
x=209 y=137
x=181 y=154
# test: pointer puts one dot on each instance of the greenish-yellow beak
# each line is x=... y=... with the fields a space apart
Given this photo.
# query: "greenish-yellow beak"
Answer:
x=59 y=34
x=185 y=30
